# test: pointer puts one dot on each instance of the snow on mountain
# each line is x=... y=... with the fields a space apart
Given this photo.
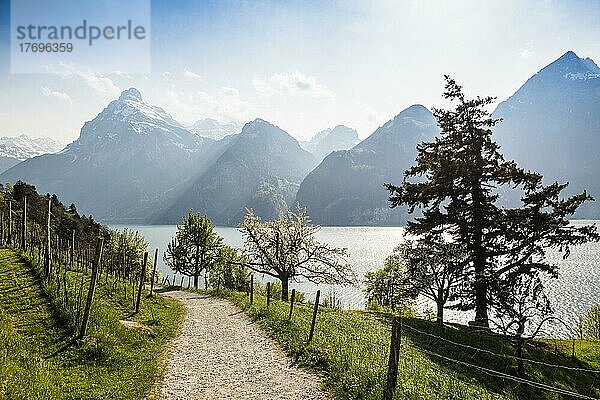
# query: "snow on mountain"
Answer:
x=551 y=125
x=213 y=129
x=23 y=147
x=123 y=162
x=130 y=116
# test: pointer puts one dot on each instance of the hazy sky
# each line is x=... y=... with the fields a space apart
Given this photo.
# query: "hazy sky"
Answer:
x=308 y=65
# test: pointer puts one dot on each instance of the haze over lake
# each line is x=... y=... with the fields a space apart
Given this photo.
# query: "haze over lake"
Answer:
x=576 y=289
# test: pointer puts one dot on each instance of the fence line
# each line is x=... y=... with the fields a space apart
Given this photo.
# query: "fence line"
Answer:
x=503 y=375
x=502 y=355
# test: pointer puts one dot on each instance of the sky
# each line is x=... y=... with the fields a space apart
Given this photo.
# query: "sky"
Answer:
x=307 y=65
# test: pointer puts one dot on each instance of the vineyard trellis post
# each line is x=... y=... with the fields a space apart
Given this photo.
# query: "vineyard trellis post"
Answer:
x=90 y=296
x=47 y=247
x=24 y=226
x=72 y=255
x=9 y=237
x=251 y=289
x=394 y=360
x=268 y=294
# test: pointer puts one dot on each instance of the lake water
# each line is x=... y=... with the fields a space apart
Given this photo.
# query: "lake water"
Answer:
x=576 y=289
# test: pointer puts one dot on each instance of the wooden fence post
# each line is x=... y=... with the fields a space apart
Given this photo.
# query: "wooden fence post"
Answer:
x=153 y=272
x=268 y=294
x=392 y=373
x=142 y=280
x=292 y=303
x=90 y=296
x=314 y=317
x=251 y=289
x=24 y=227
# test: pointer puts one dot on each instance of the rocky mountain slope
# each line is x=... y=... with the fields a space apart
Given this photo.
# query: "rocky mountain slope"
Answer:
x=347 y=187
x=552 y=125
x=260 y=168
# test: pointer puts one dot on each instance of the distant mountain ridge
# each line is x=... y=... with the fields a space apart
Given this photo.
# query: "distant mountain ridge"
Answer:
x=23 y=147
x=324 y=142
x=347 y=187
x=135 y=163
x=213 y=129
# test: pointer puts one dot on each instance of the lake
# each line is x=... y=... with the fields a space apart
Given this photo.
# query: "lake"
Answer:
x=576 y=289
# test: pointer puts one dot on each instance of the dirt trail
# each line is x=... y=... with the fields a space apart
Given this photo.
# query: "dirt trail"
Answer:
x=222 y=354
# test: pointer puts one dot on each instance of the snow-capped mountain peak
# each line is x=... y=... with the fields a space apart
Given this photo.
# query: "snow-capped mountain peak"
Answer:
x=571 y=67
x=129 y=120
x=131 y=94
x=132 y=109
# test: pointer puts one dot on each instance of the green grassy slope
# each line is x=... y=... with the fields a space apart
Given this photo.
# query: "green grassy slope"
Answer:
x=352 y=348
x=39 y=359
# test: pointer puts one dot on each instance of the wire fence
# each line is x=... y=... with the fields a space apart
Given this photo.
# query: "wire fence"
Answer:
x=70 y=255
x=370 y=352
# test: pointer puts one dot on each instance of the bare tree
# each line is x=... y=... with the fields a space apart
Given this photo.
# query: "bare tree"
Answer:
x=286 y=248
x=521 y=311
x=435 y=268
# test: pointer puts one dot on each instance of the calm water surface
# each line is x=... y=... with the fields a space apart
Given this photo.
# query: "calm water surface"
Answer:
x=576 y=289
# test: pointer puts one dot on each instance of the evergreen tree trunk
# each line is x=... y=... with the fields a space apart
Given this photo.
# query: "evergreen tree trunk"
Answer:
x=481 y=301
x=478 y=250
x=285 y=283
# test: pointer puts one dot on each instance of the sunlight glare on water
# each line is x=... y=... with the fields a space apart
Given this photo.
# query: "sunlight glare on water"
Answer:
x=576 y=289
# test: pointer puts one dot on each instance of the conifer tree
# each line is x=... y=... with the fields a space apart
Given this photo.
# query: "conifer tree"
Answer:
x=457 y=182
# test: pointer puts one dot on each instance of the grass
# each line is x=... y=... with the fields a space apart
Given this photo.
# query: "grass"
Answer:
x=39 y=358
x=351 y=348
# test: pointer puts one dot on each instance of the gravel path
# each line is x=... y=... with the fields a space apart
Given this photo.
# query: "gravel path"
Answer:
x=222 y=354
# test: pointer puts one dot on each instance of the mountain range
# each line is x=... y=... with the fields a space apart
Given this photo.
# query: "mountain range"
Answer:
x=14 y=149
x=347 y=186
x=135 y=163
x=259 y=168
x=122 y=162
